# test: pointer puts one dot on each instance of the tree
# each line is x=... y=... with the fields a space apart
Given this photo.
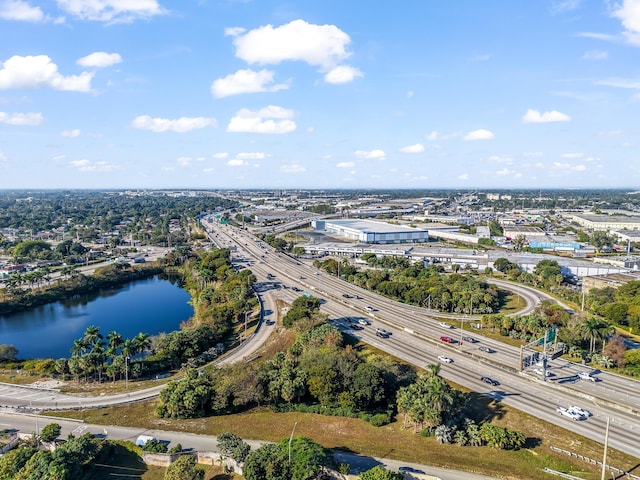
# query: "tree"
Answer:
x=8 y=353
x=50 y=432
x=184 y=468
x=268 y=462
x=380 y=473
x=231 y=445
x=271 y=461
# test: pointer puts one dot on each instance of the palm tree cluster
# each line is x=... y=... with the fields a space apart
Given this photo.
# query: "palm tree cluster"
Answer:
x=92 y=357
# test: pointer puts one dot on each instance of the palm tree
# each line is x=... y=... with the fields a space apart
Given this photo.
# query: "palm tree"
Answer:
x=443 y=434
x=594 y=329
x=79 y=346
x=142 y=342
x=114 y=342
x=91 y=334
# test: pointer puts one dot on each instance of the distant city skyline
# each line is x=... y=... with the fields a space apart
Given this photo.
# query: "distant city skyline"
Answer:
x=204 y=94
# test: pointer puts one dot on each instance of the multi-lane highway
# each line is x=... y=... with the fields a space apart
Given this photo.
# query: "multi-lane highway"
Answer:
x=416 y=338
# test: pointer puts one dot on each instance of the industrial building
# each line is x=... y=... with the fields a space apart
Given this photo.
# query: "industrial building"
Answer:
x=605 y=222
x=369 y=231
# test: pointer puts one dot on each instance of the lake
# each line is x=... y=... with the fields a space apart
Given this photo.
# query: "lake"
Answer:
x=151 y=305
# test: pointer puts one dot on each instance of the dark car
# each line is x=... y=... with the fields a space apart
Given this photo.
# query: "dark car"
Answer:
x=447 y=339
x=381 y=332
x=469 y=339
x=486 y=349
x=490 y=381
x=410 y=470
x=346 y=295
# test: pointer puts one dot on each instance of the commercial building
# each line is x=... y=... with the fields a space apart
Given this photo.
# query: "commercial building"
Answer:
x=369 y=231
x=605 y=222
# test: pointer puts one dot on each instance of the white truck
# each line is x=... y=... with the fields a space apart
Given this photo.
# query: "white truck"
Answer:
x=586 y=376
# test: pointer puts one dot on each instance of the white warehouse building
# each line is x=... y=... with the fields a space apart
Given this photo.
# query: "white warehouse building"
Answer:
x=369 y=231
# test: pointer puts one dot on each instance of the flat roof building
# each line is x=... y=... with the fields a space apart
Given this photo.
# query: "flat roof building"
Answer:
x=369 y=231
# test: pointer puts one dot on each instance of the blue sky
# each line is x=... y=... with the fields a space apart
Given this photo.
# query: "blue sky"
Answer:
x=319 y=94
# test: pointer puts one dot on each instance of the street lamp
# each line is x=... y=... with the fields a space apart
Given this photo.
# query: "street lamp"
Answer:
x=290 y=440
x=126 y=372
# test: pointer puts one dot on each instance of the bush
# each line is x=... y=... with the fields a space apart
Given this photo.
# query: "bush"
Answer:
x=379 y=419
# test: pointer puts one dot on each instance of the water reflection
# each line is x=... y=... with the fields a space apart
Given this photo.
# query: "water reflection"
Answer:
x=151 y=305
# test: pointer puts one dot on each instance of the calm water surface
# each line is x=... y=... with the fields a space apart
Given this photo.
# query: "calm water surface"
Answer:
x=151 y=306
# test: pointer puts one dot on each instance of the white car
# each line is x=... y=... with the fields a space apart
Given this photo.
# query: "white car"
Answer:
x=369 y=308
x=445 y=359
x=362 y=321
x=445 y=325
x=567 y=413
x=539 y=371
x=579 y=411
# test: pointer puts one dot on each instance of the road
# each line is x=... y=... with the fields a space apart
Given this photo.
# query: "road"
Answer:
x=415 y=338
x=206 y=443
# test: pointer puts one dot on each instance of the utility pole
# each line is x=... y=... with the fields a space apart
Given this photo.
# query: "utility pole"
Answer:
x=290 y=440
x=604 y=457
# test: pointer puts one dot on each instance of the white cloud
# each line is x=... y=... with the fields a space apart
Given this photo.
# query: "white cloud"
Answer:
x=70 y=133
x=19 y=10
x=253 y=155
x=506 y=159
x=480 y=134
x=323 y=46
x=100 y=60
x=572 y=155
x=85 y=165
x=245 y=81
x=595 y=55
x=567 y=167
x=373 y=154
x=293 y=168
x=237 y=162
x=417 y=148
x=248 y=121
x=220 y=155
x=345 y=164
x=234 y=31
x=111 y=11
x=463 y=176
x=532 y=154
x=598 y=36
x=39 y=71
x=619 y=83
x=319 y=45
x=560 y=6
x=21 y=119
x=534 y=116
x=629 y=13
x=181 y=125
x=184 y=161
x=342 y=74
x=409 y=94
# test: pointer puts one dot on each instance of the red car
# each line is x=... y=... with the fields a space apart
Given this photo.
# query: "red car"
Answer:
x=447 y=339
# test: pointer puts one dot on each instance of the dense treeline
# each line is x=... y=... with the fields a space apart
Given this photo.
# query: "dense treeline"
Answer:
x=87 y=214
x=35 y=288
x=417 y=284
x=69 y=461
x=317 y=373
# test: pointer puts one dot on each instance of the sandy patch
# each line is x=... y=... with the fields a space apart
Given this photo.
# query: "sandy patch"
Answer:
x=49 y=384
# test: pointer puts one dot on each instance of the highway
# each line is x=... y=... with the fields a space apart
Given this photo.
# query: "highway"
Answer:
x=415 y=338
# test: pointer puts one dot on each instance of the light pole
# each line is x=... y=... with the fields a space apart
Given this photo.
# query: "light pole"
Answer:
x=290 y=440
x=126 y=372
